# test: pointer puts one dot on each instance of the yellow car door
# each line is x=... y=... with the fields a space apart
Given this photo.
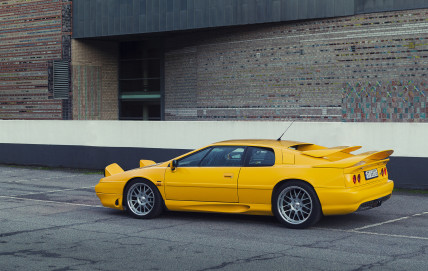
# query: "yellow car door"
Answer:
x=210 y=175
x=258 y=175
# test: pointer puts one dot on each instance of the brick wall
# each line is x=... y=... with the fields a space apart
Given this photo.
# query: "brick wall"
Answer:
x=181 y=84
x=32 y=34
x=370 y=67
x=95 y=79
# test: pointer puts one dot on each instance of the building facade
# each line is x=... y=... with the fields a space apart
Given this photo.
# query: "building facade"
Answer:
x=307 y=60
x=35 y=36
x=267 y=60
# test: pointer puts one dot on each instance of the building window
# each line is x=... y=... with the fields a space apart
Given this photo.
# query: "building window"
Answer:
x=140 y=78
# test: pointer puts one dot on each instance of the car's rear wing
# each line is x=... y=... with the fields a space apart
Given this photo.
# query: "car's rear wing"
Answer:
x=330 y=151
x=359 y=160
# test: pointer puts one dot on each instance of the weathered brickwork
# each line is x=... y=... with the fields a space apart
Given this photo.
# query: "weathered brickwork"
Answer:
x=181 y=77
x=32 y=34
x=396 y=101
x=370 y=67
x=95 y=79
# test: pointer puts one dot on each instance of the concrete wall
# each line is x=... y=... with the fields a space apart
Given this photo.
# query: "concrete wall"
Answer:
x=94 y=144
x=407 y=139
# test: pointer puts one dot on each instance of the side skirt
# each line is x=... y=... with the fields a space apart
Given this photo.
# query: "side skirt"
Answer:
x=219 y=207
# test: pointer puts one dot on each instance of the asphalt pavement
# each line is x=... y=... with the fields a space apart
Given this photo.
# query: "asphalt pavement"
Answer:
x=51 y=219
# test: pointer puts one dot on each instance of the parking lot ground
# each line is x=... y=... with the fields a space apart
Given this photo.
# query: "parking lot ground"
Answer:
x=51 y=219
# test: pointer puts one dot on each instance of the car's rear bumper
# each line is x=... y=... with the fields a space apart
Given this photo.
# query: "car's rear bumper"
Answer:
x=373 y=203
x=348 y=200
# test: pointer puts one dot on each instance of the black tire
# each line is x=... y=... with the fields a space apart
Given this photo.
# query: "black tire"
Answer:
x=142 y=199
x=296 y=205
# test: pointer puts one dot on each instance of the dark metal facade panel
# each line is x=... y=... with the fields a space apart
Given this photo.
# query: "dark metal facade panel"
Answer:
x=274 y=11
x=330 y=8
x=369 y=6
x=97 y=18
x=302 y=8
x=310 y=8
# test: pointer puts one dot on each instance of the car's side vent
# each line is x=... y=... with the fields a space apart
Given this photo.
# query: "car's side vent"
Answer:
x=61 y=79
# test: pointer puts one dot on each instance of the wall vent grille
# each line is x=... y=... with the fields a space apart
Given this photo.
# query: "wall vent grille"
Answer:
x=61 y=79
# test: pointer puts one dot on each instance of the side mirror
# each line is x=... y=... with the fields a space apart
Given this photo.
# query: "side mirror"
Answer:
x=173 y=165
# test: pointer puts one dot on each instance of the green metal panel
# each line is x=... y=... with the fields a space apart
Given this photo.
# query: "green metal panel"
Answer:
x=140 y=96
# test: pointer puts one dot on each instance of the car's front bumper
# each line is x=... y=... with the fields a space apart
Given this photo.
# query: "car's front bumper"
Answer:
x=111 y=200
x=341 y=201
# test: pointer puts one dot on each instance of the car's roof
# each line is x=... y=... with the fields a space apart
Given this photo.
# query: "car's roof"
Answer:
x=261 y=142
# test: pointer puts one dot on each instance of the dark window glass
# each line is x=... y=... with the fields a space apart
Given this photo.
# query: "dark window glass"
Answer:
x=224 y=156
x=141 y=110
x=193 y=159
x=140 y=80
x=139 y=50
x=144 y=86
x=140 y=68
x=260 y=157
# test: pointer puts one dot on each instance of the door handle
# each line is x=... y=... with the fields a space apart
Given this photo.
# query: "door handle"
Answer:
x=228 y=175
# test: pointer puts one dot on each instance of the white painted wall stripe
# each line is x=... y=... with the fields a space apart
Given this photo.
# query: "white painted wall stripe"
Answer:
x=406 y=139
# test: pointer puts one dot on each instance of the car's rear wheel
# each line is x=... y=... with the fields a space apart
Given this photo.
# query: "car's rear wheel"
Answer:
x=296 y=205
x=143 y=199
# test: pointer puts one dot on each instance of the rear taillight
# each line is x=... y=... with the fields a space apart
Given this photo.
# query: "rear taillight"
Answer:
x=386 y=172
x=359 y=178
x=381 y=172
x=354 y=179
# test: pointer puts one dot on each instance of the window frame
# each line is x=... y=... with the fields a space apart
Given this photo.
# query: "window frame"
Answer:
x=247 y=156
x=198 y=165
x=244 y=161
x=245 y=147
x=222 y=146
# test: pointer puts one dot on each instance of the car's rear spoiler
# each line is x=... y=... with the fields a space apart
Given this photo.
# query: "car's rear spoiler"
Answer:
x=363 y=159
x=330 y=151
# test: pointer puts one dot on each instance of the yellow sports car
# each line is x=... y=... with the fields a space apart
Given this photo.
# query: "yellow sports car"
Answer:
x=297 y=182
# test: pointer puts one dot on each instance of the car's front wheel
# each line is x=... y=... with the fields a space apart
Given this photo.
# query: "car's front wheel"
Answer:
x=296 y=205
x=143 y=199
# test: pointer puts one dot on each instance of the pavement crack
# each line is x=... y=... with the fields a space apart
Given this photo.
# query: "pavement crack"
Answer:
x=170 y=226
x=421 y=251
x=380 y=263
x=261 y=257
x=29 y=252
x=7 y=234
x=394 y=257
x=26 y=231
x=326 y=243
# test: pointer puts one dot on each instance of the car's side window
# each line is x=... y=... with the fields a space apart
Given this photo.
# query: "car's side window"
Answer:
x=259 y=157
x=193 y=159
x=224 y=156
